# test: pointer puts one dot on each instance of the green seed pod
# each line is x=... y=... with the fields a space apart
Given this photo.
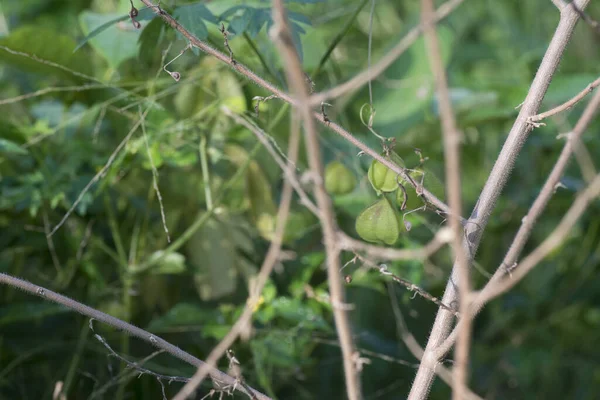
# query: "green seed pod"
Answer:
x=339 y=179
x=380 y=222
x=381 y=177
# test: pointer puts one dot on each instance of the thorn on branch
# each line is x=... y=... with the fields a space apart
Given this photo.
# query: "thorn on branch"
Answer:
x=311 y=84
x=226 y=34
x=420 y=154
x=533 y=122
x=260 y=99
x=323 y=114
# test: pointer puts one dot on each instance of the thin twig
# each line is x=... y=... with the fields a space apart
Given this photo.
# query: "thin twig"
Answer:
x=242 y=324
x=156 y=341
x=552 y=242
x=383 y=270
x=295 y=77
x=288 y=169
x=155 y=178
x=100 y=174
x=492 y=189
x=404 y=44
x=566 y=105
x=442 y=237
x=451 y=138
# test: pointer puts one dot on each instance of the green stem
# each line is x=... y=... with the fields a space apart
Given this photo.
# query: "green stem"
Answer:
x=83 y=335
x=201 y=219
x=260 y=57
x=205 y=173
x=338 y=38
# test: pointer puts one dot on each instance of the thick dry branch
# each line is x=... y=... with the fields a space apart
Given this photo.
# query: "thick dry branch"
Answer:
x=492 y=190
x=132 y=330
x=534 y=213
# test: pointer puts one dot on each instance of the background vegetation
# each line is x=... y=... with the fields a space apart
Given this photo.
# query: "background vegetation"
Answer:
x=113 y=252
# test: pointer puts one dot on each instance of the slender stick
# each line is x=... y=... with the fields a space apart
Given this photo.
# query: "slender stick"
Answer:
x=451 y=138
x=377 y=69
x=552 y=242
x=280 y=32
x=568 y=104
x=133 y=330
x=492 y=189
x=442 y=237
x=242 y=324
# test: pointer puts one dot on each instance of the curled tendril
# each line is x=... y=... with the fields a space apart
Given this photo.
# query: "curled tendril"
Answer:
x=369 y=125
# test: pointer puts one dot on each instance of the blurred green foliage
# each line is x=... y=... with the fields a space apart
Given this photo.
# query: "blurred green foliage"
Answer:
x=112 y=253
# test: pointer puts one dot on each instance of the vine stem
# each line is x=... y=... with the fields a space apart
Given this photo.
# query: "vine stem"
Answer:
x=492 y=190
x=132 y=330
x=242 y=69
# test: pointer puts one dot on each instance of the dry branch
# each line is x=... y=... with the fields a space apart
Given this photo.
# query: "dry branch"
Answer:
x=534 y=213
x=452 y=139
x=280 y=32
x=493 y=188
x=132 y=330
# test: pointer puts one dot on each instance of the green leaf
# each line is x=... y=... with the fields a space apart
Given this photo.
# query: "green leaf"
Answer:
x=416 y=90
x=47 y=45
x=213 y=257
x=181 y=314
x=240 y=23
x=117 y=43
x=21 y=312
x=143 y=15
x=192 y=17
x=6 y=146
x=172 y=263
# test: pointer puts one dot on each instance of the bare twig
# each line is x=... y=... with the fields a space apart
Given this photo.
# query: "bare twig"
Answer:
x=156 y=341
x=155 y=179
x=383 y=270
x=442 y=237
x=552 y=242
x=415 y=348
x=295 y=77
x=387 y=60
x=538 y=206
x=565 y=106
x=287 y=169
x=100 y=174
x=492 y=189
x=271 y=259
x=451 y=137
